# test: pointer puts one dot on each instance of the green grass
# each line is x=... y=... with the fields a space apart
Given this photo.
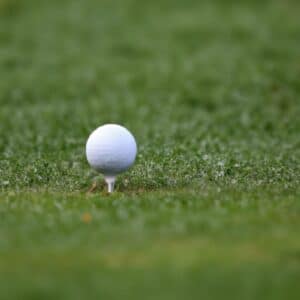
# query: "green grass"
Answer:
x=211 y=208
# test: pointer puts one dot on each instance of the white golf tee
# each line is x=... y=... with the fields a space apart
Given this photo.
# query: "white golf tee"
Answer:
x=110 y=181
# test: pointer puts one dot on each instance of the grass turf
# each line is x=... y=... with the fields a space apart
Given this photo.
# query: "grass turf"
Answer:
x=211 y=91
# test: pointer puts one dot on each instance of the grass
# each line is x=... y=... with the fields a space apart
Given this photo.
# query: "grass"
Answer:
x=211 y=91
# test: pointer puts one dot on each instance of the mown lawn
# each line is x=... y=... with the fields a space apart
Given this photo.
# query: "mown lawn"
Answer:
x=211 y=91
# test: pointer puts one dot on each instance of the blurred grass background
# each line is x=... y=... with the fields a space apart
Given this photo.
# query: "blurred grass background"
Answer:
x=211 y=91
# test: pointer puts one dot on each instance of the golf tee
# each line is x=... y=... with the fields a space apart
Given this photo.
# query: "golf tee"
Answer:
x=110 y=181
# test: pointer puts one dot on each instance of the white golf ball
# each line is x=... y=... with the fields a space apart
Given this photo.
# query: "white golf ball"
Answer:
x=111 y=149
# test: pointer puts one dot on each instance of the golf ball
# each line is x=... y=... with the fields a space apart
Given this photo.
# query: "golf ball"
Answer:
x=111 y=149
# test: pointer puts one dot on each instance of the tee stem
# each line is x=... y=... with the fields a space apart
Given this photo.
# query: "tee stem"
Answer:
x=110 y=181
